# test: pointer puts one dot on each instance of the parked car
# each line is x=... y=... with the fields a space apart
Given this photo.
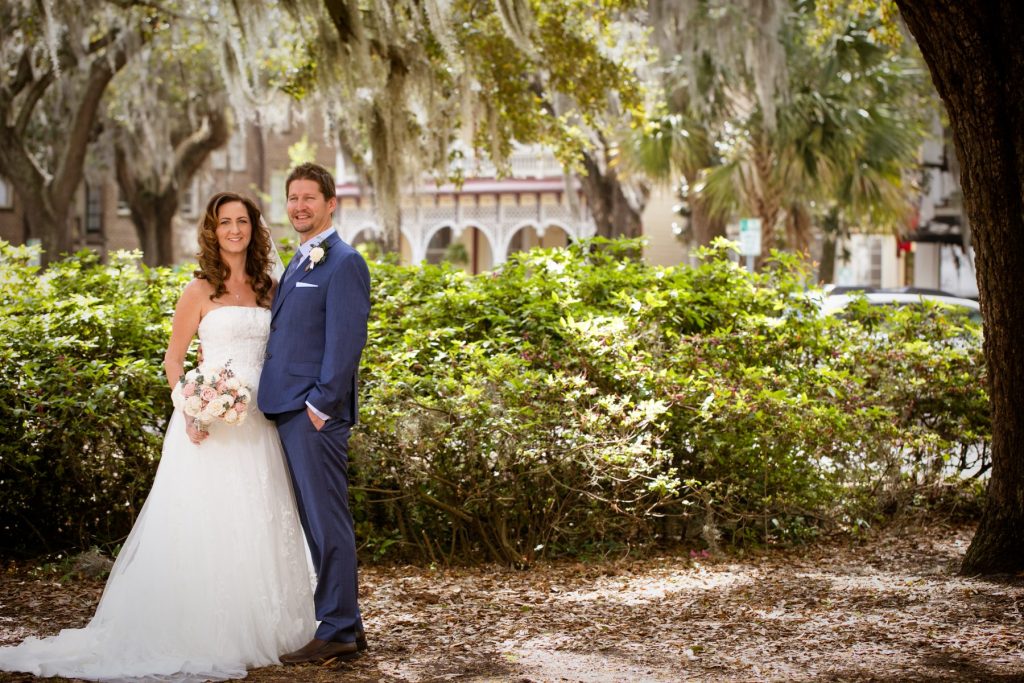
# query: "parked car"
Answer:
x=831 y=290
x=835 y=303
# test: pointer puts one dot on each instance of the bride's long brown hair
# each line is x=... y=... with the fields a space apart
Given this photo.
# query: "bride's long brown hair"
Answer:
x=257 y=255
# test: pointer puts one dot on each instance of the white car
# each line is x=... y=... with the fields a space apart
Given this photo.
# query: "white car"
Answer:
x=834 y=303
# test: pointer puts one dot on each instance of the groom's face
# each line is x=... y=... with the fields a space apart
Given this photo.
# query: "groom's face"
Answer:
x=308 y=210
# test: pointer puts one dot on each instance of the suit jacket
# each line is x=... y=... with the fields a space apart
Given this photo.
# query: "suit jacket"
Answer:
x=317 y=333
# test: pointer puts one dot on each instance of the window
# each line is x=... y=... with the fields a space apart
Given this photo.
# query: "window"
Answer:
x=93 y=209
x=122 y=203
x=236 y=152
x=6 y=194
x=219 y=159
x=189 y=199
x=875 y=268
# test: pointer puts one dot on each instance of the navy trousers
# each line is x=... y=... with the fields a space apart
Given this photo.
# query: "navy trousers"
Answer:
x=318 y=462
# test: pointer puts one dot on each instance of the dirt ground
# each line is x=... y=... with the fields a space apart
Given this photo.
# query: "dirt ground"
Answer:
x=891 y=608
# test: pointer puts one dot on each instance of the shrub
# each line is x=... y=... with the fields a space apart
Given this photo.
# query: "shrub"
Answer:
x=83 y=400
x=572 y=399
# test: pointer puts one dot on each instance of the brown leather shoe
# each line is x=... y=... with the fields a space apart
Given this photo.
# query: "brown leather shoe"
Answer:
x=321 y=650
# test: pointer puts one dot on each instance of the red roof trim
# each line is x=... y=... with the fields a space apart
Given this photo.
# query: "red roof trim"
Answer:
x=475 y=186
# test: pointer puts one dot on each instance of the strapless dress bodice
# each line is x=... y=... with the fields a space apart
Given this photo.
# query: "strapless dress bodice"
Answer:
x=236 y=337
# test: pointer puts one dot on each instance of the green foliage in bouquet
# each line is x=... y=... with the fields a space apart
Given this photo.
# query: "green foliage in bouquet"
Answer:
x=83 y=400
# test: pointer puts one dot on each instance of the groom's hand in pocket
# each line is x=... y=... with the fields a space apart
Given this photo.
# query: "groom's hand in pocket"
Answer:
x=317 y=421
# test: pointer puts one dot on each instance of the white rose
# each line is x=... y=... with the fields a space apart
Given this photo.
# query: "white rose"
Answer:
x=234 y=384
x=193 y=404
x=316 y=255
x=205 y=416
x=244 y=394
x=216 y=408
x=231 y=417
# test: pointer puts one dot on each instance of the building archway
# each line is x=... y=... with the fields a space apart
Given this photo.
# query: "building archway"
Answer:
x=479 y=248
x=372 y=235
x=439 y=244
x=528 y=236
x=369 y=240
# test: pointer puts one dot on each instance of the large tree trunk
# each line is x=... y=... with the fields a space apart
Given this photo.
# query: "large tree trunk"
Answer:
x=831 y=231
x=153 y=197
x=827 y=267
x=798 y=229
x=153 y=218
x=45 y=215
x=976 y=57
x=48 y=200
x=704 y=225
x=152 y=202
x=764 y=196
x=615 y=207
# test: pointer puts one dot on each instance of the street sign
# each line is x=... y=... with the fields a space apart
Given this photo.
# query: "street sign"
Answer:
x=750 y=236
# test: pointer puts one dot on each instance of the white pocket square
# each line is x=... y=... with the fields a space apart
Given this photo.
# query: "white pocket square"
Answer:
x=305 y=284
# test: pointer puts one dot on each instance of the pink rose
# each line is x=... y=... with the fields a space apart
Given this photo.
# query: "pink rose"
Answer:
x=241 y=406
x=208 y=394
x=188 y=390
x=222 y=386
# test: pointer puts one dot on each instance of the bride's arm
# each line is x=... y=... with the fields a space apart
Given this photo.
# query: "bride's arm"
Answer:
x=187 y=315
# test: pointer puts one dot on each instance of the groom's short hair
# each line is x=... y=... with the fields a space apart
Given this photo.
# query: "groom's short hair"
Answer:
x=315 y=172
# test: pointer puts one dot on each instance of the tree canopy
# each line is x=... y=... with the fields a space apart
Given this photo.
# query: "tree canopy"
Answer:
x=786 y=118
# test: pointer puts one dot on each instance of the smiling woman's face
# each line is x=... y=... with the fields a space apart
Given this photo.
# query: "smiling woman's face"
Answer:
x=234 y=229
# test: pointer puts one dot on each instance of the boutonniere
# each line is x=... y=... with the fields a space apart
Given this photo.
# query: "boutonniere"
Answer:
x=317 y=255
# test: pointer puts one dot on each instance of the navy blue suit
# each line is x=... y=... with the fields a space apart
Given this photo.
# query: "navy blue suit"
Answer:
x=317 y=334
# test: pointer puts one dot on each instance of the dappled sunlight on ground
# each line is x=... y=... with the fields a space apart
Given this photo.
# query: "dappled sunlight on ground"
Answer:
x=639 y=590
x=889 y=609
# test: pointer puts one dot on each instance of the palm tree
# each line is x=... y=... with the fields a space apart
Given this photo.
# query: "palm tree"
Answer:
x=831 y=142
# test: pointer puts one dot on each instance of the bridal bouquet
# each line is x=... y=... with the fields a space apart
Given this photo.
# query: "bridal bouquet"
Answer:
x=208 y=394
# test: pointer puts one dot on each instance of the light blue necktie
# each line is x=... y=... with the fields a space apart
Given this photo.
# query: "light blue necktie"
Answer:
x=293 y=266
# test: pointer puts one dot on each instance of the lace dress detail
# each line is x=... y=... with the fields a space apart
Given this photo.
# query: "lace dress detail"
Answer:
x=236 y=335
x=214 y=577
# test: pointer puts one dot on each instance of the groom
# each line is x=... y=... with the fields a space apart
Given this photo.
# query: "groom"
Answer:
x=308 y=387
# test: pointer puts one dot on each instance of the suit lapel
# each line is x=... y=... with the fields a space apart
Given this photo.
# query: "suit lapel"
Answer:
x=287 y=283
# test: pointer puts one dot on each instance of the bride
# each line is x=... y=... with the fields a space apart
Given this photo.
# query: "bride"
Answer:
x=213 y=578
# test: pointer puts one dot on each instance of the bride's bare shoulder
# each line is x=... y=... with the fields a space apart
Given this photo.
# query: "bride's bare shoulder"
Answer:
x=196 y=291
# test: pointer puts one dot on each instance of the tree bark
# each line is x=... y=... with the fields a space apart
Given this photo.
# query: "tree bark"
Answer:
x=615 y=212
x=153 y=198
x=704 y=225
x=976 y=57
x=827 y=267
x=44 y=219
x=47 y=201
x=763 y=195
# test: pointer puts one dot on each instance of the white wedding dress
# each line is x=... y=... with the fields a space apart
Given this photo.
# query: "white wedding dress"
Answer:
x=214 y=577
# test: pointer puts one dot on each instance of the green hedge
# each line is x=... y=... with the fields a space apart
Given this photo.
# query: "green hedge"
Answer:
x=569 y=401
x=83 y=400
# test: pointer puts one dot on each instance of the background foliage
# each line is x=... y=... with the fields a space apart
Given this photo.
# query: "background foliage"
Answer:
x=570 y=401
x=83 y=399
